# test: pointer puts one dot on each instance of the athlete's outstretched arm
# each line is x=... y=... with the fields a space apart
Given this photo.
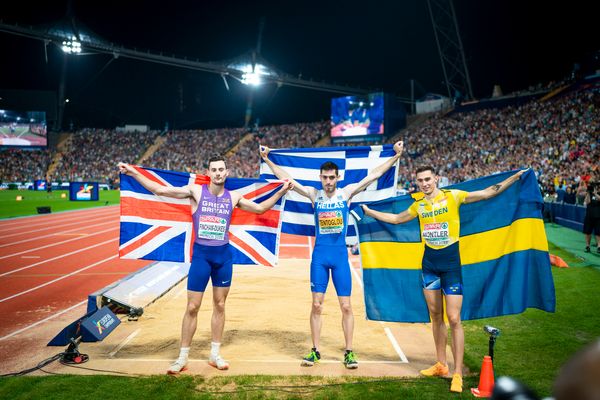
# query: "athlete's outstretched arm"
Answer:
x=493 y=190
x=283 y=175
x=355 y=188
x=183 y=192
x=259 y=208
x=390 y=218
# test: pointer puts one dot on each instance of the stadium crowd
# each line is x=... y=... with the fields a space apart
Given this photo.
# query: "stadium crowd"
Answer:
x=245 y=161
x=558 y=138
x=188 y=150
x=24 y=165
x=93 y=154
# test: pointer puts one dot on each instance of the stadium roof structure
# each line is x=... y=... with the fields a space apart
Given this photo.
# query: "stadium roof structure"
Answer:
x=250 y=68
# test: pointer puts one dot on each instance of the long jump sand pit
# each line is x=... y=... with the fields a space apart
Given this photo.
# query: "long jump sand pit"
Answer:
x=267 y=331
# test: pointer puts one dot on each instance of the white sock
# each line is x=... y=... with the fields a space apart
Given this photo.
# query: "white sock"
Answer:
x=184 y=353
x=214 y=349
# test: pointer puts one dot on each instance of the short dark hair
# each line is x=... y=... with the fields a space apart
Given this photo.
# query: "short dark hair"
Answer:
x=328 y=166
x=425 y=168
x=216 y=157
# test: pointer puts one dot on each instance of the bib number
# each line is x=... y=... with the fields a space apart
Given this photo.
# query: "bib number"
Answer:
x=212 y=228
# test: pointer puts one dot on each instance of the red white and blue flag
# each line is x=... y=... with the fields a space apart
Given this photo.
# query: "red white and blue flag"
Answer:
x=160 y=228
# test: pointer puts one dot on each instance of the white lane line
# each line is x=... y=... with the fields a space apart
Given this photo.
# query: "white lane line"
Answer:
x=387 y=330
x=124 y=342
x=57 y=257
x=56 y=244
x=54 y=234
x=57 y=279
x=395 y=344
x=294 y=361
x=83 y=223
x=61 y=218
x=59 y=215
x=358 y=278
x=42 y=321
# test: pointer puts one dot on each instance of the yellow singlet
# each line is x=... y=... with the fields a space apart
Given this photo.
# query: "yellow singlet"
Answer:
x=439 y=219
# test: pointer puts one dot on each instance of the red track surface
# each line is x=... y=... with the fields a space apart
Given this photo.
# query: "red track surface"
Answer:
x=49 y=263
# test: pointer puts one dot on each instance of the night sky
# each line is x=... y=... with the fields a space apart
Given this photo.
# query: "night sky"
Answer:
x=379 y=45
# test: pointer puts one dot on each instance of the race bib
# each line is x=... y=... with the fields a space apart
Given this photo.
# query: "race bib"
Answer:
x=436 y=234
x=211 y=227
x=330 y=222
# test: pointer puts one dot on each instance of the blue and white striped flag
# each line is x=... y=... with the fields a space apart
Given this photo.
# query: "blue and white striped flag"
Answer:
x=354 y=164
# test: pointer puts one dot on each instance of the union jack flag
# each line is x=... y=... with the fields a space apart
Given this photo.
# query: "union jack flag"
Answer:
x=160 y=228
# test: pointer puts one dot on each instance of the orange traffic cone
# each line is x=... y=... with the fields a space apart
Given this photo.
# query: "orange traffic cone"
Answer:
x=486 y=379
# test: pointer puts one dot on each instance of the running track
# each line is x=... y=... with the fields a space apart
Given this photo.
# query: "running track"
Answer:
x=51 y=263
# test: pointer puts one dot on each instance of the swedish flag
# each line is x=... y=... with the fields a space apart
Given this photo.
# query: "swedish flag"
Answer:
x=503 y=250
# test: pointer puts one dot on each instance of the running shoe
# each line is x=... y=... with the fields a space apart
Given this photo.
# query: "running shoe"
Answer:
x=313 y=357
x=218 y=362
x=457 y=384
x=177 y=367
x=438 y=369
x=350 y=360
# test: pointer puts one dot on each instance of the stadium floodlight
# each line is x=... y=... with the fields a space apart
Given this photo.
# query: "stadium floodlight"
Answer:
x=251 y=79
x=252 y=76
x=71 y=46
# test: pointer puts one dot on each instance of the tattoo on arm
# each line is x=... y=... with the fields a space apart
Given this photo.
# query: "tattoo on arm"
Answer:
x=495 y=188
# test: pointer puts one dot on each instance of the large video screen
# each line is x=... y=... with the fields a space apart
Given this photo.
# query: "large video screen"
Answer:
x=23 y=128
x=357 y=117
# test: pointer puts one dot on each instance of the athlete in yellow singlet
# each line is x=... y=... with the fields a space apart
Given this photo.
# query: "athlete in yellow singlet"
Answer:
x=437 y=210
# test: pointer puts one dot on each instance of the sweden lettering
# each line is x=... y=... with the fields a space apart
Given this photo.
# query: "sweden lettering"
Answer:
x=434 y=213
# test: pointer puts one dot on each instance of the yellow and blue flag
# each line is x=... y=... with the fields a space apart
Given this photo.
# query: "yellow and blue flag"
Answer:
x=503 y=249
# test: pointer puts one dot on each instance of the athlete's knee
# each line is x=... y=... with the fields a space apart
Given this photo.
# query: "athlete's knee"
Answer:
x=454 y=319
x=317 y=307
x=436 y=315
x=346 y=308
x=219 y=305
x=192 y=308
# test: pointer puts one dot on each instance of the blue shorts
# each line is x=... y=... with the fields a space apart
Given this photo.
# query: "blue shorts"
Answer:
x=214 y=262
x=442 y=270
x=334 y=259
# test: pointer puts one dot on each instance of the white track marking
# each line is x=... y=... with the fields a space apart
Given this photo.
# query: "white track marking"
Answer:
x=294 y=361
x=56 y=244
x=56 y=234
x=56 y=258
x=47 y=217
x=42 y=321
x=387 y=330
x=57 y=279
x=124 y=342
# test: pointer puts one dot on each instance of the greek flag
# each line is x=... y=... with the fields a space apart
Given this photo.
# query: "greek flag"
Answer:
x=354 y=163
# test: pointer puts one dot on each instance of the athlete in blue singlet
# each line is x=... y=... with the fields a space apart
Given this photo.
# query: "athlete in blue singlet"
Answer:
x=330 y=255
x=212 y=208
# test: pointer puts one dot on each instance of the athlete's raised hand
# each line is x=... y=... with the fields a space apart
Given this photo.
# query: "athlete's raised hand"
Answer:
x=399 y=147
x=126 y=169
x=521 y=172
x=264 y=152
